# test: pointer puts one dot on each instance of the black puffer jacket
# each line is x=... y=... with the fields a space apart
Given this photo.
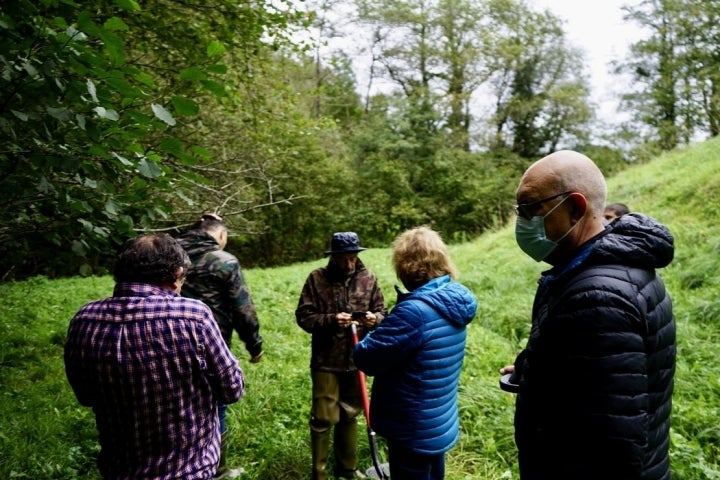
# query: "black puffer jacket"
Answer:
x=597 y=373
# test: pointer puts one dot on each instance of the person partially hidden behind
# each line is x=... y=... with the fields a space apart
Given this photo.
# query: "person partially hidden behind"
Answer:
x=153 y=366
x=615 y=210
x=329 y=297
x=596 y=377
x=216 y=279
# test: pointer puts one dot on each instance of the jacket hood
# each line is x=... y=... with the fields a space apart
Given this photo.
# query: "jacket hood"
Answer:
x=197 y=243
x=635 y=240
x=450 y=299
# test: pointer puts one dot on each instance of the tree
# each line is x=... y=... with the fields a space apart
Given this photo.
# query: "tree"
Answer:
x=99 y=106
x=540 y=96
x=430 y=50
x=656 y=67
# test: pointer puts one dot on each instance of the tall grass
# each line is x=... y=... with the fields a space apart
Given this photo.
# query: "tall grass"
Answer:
x=45 y=434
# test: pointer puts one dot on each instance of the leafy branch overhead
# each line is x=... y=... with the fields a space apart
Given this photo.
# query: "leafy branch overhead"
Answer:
x=100 y=112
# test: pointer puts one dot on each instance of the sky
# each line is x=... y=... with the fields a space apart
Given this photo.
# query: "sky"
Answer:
x=598 y=28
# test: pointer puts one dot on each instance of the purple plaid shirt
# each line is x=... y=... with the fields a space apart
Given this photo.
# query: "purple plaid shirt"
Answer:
x=152 y=365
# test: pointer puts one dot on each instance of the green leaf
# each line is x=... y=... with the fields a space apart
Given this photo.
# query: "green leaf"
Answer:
x=218 y=68
x=185 y=106
x=79 y=248
x=130 y=5
x=163 y=114
x=22 y=116
x=31 y=70
x=86 y=24
x=145 y=79
x=115 y=24
x=149 y=169
x=124 y=88
x=75 y=34
x=92 y=91
x=122 y=159
x=200 y=152
x=108 y=114
x=215 y=48
x=184 y=197
x=217 y=88
x=193 y=74
x=186 y=159
x=112 y=207
x=124 y=224
x=46 y=187
x=114 y=46
x=62 y=114
x=171 y=145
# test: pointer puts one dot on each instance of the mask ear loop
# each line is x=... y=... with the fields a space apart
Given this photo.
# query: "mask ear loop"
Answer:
x=556 y=206
x=582 y=216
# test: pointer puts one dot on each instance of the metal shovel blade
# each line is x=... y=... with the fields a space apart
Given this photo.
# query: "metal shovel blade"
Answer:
x=372 y=473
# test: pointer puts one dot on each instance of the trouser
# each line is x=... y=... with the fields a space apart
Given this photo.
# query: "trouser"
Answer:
x=222 y=413
x=337 y=402
x=408 y=465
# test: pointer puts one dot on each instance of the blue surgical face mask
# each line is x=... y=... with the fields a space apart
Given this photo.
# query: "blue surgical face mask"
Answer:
x=531 y=238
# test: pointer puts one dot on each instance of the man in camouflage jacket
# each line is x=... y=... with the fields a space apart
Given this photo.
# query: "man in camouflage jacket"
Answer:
x=215 y=278
x=329 y=297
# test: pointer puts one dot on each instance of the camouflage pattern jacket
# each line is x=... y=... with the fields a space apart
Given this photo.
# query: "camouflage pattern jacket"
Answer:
x=215 y=278
x=327 y=292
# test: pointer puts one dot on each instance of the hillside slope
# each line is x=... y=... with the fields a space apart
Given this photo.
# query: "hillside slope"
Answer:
x=45 y=434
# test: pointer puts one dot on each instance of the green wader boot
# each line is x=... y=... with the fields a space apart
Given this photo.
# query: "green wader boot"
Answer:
x=345 y=447
x=320 y=446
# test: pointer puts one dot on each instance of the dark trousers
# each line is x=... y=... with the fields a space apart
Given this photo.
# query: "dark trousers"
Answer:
x=408 y=465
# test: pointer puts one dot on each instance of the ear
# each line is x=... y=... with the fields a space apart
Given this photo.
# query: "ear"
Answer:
x=177 y=284
x=578 y=205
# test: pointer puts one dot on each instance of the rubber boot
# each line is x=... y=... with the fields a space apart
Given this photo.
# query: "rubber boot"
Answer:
x=345 y=447
x=320 y=446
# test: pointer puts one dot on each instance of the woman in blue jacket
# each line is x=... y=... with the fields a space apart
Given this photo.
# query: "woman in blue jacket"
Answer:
x=416 y=355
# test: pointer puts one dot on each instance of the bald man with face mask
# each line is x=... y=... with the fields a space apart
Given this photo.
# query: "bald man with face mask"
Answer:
x=595 y=381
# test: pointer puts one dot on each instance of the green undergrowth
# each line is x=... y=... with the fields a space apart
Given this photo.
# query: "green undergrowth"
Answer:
x=46 y=434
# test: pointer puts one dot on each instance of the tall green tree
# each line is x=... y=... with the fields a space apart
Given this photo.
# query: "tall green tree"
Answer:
x=430 y=50
x=540 y=96
x=657 y=69
x=676 y=70
x=699 y=29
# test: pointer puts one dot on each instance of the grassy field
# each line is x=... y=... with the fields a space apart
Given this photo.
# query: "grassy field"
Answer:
x=46 y=434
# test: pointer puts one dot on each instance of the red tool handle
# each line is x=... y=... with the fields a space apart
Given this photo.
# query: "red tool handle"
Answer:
x=366 y=407
x=361 y=379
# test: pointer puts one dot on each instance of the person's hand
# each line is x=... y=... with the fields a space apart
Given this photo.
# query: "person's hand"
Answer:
x=370 y=320
x=343 y=319
x=256 y=358
x=507 y=369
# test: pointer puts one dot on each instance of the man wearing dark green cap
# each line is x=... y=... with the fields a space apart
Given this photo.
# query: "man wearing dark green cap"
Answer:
x=329 y=297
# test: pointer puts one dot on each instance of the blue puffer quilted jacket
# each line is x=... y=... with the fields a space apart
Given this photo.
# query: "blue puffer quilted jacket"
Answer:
x=416 y=355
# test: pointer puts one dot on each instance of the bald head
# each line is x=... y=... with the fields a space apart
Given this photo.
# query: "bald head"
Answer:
x=566 y=171
x=567 y=191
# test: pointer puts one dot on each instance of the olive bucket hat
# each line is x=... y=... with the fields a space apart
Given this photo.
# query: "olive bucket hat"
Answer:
x=344 y=242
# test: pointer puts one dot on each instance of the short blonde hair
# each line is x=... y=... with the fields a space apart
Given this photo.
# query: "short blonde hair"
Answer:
x=419 y=255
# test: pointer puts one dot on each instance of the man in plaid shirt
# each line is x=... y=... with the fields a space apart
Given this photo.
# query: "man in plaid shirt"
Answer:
x=153 y=366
